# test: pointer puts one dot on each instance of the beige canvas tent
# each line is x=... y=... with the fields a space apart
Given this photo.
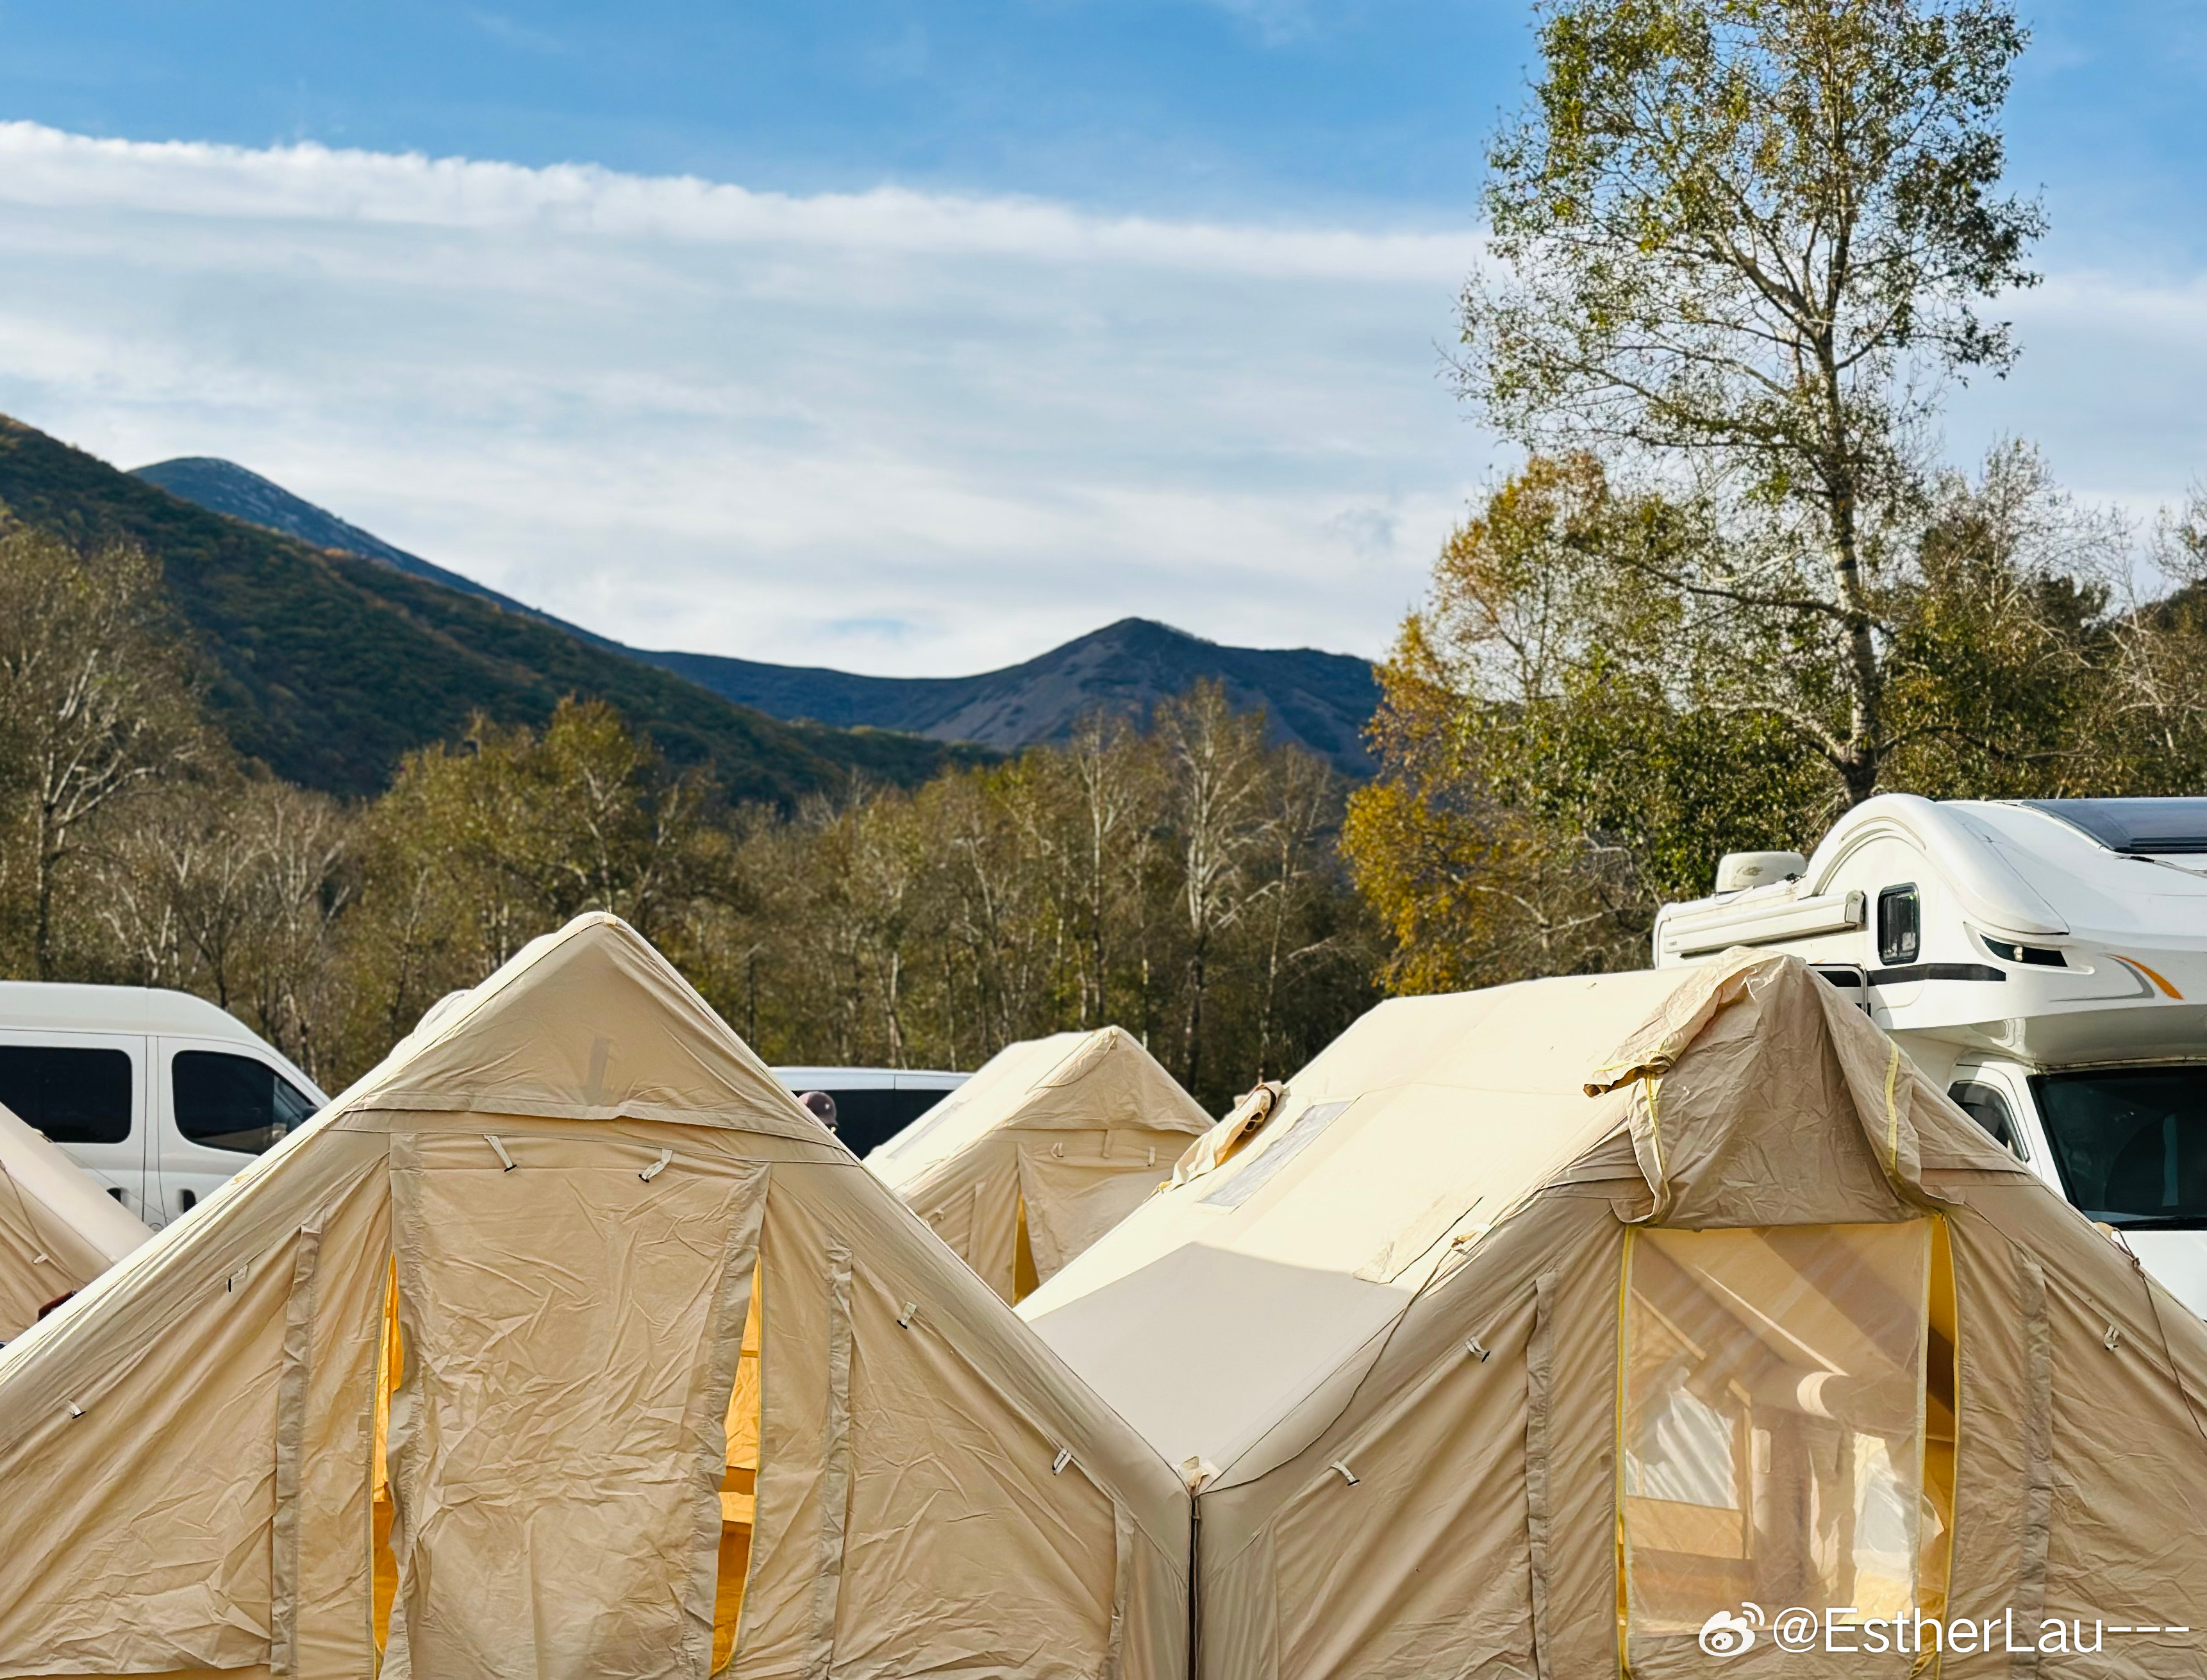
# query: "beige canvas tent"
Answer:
x=1049 y=1145
x=564 y=1344
x=1588 y=1326
x=58 y=1229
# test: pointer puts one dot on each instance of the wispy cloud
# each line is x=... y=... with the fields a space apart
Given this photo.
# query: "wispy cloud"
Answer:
x=510 y=31
x=689 y=413
x=900 y=431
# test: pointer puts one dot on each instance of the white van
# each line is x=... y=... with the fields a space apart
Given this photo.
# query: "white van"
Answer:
x=873 y=1104
x=2046 y=958
x=160 y=1095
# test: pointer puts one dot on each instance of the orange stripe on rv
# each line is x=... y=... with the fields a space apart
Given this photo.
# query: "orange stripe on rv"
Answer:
x=2149 y=974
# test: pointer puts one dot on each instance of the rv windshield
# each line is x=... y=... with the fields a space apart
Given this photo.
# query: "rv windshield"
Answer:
x=2132 y=1142
x=2134 y=825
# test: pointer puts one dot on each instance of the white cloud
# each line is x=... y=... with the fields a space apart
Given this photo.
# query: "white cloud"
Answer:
x=899 y=431
x=2110 y=383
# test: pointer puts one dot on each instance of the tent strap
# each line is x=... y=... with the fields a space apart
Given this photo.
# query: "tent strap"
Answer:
x=292 y=1380
x=1122 y=1573
x=1540 y=1390
x=2037 y=1456
x=835 y=1473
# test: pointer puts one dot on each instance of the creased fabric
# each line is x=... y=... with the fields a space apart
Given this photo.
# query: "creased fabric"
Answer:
x=564 y=1325
x=58 y=1229
x=190 y=1450
x=835 y=1467
x=1072 y=1132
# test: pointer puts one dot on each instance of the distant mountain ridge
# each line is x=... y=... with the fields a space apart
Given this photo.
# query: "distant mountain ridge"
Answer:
x=329 y=667
x=239 y=492
x=1320 y=701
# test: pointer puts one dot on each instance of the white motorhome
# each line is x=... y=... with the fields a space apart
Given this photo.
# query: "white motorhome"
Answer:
x=2045 y=958
x=160 y=1095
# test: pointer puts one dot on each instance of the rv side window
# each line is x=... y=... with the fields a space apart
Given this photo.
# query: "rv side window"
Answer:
x=73 y=1096
x=1899 y=925
x=1990 y=1109
x=233 y=1102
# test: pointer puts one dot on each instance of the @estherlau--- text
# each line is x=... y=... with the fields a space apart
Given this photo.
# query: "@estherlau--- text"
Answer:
x=1729 y=1632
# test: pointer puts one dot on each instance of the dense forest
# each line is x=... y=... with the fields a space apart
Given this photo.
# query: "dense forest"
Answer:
x=1180 y=880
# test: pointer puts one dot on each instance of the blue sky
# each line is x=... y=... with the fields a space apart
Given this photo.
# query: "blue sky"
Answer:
x=1212 y=106
x=974 y=325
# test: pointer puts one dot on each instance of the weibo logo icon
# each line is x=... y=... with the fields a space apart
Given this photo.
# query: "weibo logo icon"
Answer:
x=1726 y=1634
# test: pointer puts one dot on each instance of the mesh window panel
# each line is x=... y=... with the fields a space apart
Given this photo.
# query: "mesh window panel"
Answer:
x=1772 y=1426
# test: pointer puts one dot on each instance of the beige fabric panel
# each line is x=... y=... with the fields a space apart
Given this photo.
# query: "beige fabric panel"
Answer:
x=775 y=1637
x=250 y=1671
x=1721 y=1154
x=1082 y=1127
x=1438 y=1438
x=322 y=1572
x=40 y=1257
x=1849 y=1144
x=587 y=1022
x=993 y=1237
x=1069 y=1081
x=949 y=1215
x=569 y=1354
x=950 y=1519
x=1078 y=1185
x=58 y=1229
x=937 y=1455
x=2129 y=1472
x=973 y=1206
x=896 y=1264
x=140 y=1533
x=1435 y=1522
x=177 y=1535
x=1994 y=1465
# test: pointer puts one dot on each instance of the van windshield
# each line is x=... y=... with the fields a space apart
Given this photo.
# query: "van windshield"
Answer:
x=2130 y=1142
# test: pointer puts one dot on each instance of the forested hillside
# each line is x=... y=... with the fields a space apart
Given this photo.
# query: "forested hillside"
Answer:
x=328 y=668
x=1319 y=700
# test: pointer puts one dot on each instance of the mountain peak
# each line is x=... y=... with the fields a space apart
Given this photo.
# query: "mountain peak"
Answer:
x=1319 y=700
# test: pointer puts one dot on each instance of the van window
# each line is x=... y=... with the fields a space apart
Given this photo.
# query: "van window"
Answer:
x=73 y=1096
x=233 y=1102
x=1900 y=925
x=1988 y=1108
x=865 y=1119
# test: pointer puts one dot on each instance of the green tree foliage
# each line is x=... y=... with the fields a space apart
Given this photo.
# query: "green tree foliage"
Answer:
x=1743 y=243
x=95 y=707
x=1181 y=881
x=1569 y=739
x=329 y=669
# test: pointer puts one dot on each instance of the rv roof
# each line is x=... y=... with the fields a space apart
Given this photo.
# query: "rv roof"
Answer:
x=2134 y=825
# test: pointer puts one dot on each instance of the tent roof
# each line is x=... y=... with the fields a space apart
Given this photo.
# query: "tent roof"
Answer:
x=582 y=1026
x=589 y=1023
x=1081 y=1081
x=1216 y=1310
x=1430 y=1115
x=62 y=1196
